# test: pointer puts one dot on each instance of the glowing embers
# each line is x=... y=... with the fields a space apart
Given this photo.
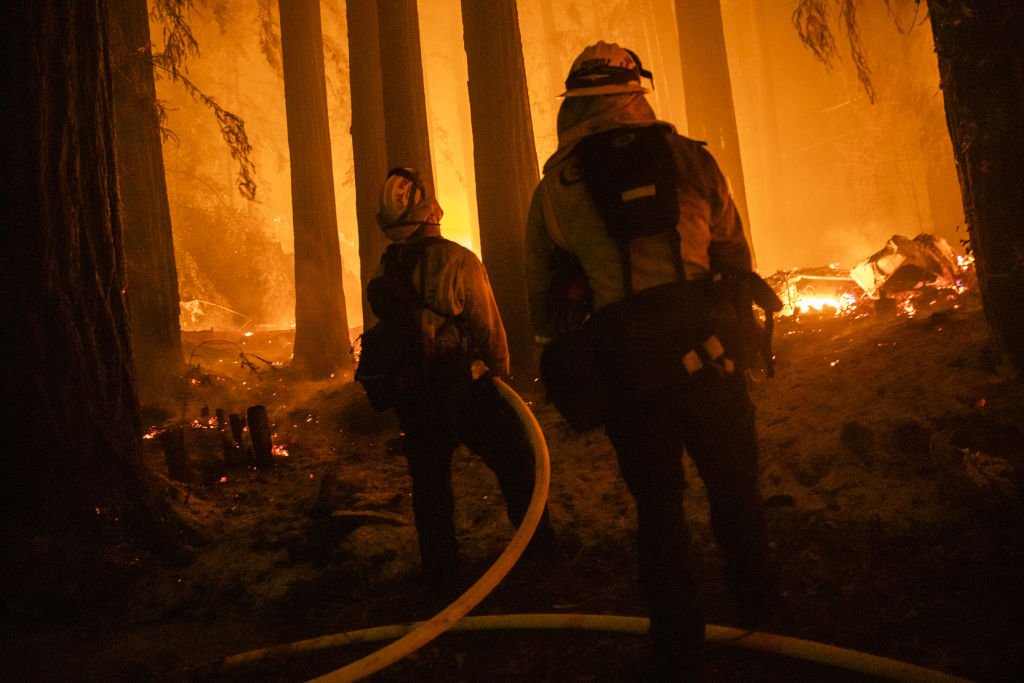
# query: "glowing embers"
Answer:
x=825 y=291
x=208 y=450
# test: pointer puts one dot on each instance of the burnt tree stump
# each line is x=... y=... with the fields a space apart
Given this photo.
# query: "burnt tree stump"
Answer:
x=173 y=441
x=237 y=425
x=259 y=434
x=237 y=452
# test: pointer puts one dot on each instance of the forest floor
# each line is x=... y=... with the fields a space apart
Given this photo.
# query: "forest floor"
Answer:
x=892 y=473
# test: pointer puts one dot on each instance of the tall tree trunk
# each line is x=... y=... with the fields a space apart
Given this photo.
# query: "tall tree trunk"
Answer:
x=405 y=107
x=981 y=70
x=369 y=150
x=321 y=324
x=77 y=470
x=710 y=115
x=146 y=217
x=504 y=156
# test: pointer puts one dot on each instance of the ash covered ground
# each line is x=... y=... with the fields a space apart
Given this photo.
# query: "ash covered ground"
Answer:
x=892 y=472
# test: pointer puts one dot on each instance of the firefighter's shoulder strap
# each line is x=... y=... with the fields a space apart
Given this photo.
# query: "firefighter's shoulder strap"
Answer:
x=633 y=179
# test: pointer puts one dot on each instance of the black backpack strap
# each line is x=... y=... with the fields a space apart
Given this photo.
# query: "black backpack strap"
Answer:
x=633 y=177
x=409 y=256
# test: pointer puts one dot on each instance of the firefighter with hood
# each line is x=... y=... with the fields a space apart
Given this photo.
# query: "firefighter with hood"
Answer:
x=646 y=218
x=448 y=397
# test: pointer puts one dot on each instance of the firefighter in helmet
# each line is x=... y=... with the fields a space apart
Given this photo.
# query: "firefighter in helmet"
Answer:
x=449 y=397
x=647 y=288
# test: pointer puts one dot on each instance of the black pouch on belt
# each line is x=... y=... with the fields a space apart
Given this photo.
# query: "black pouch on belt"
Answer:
x=574 y=380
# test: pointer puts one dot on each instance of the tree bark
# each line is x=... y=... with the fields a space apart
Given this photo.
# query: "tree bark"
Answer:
x=981 y=70
x=321 y=323
x=369 y=150
x=151 y=273
x=405 y=108
x=505 y=159
x=70 y=387
x=710 y=115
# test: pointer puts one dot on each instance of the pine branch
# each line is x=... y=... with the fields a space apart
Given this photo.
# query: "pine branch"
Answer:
x=232 y=129
x=270 y=36
x=180 y=45
x=811 y=21
x=848 y=13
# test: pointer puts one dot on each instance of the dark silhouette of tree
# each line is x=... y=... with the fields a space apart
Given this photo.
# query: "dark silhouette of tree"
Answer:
x=146 y=219
x=369 y=149
x=321 y=323
x=981 y=73
x=76 y=470
x=505 y=158
x=710 y=115
x=405 y=109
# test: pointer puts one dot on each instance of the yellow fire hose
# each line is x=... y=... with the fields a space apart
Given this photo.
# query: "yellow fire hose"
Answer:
x=421 y=634
x=412 y=636
x=796 y=648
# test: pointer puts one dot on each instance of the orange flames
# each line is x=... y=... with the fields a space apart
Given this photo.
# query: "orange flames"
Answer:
x=832 y=291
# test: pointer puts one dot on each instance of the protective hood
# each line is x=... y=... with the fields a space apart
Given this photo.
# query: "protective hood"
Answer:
x=579 y=117
x=406 y=204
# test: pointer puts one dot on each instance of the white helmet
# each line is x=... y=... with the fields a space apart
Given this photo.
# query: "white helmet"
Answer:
x=405 y=204
x=606 y=69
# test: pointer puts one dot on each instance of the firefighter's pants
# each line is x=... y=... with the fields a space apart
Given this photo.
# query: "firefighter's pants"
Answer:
x=713 y=418
x=434 y=425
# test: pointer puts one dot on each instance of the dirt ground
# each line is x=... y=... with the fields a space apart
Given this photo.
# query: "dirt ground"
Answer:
x=892 y=473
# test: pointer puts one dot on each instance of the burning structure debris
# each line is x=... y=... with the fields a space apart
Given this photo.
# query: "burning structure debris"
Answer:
x=897 y=276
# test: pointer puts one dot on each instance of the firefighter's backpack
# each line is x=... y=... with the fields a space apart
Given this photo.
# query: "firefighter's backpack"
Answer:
x=633 y=179
x=390 y=358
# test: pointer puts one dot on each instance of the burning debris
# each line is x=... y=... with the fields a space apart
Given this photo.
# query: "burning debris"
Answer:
x=902 y=276
x=824 y=289
x=904 y=264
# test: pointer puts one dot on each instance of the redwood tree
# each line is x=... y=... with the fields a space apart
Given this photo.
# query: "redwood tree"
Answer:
x=369 y=150
x=151 y=273
x=505 y=158
x=321 y=323
x=405 y=108
x=981 y=71
x=710 y=115
x=75 y=438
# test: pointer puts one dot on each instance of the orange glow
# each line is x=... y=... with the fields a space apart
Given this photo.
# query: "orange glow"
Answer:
x=828 y=175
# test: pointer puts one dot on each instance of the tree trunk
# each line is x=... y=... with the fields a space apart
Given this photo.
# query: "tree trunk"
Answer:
x=982 y=76
x=369 y=150
x=77 y=470
x=146 y=217
x=710 y=115
x=321 y=324
x=505 y=159
x=405 y=108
